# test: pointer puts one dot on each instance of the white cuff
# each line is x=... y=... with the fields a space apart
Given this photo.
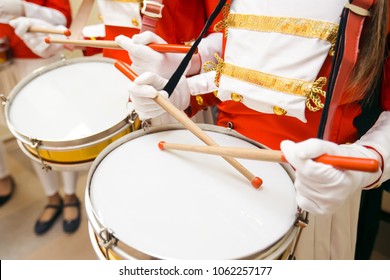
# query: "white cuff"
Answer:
x=378 y=138
x=202 y=83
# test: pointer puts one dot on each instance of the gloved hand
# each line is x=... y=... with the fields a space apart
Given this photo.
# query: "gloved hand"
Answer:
x=12 y=8
x=36 y=41
x=50 y=15
x=321 y=188
x=145 y=88
x=145 y=59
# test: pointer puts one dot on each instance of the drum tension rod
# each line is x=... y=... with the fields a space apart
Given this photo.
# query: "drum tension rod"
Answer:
x=108 y=239
x=35 y=145
x=3 y=98
x=302 y=220
x=132 y=118
x=146 y=124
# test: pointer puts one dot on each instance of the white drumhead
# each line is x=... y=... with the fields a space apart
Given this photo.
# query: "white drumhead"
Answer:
x=183 y=205
x=71 y=101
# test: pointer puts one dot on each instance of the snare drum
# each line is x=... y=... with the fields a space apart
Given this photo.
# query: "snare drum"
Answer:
x=68 y=111
x=184 y=205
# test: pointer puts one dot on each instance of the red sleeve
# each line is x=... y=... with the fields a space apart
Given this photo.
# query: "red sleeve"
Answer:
x=62 y=6
x=210 y=6
x=201 y=102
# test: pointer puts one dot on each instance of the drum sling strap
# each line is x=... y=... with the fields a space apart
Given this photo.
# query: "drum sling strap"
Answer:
x=344 y=60
x=152 y=12
x=172 y=83
x=80 y=20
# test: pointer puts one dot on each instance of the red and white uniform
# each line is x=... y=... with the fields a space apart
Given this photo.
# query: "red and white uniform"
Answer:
x=269 y=62
x=60 y=15
x=181 y=22
x=125 y=18
x=56 y=12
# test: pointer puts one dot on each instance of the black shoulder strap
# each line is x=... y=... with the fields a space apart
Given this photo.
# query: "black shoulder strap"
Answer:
x=172 y=83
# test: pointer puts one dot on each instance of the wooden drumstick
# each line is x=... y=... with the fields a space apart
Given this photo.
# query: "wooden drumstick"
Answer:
x=49 y=30
x=190 y=125
x=342 y=162
x=106 y=44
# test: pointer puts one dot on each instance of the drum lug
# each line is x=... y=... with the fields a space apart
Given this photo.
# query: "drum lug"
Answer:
x=302 y=220
x=132 y=118
x=230 y=126
x=146 y=124
x=4 y=99
x=35 y=145
x=108 y=239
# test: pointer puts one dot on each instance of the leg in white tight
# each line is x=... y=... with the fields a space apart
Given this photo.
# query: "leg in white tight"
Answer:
x=47 y=178
x=5 y=178
x=69 y=179
x=3 y=165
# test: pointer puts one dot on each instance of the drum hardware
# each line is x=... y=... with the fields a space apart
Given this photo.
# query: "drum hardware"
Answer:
x=230 y=126
x=132 y=120
x=35 y=145
x=107 y=240
x=302 y=220
x=4 y=99
x=146 y=124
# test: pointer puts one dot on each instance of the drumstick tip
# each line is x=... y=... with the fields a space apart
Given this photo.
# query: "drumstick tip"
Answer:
x=67 y=33
x=161 y=145
x=257 y=182
x=47 y=40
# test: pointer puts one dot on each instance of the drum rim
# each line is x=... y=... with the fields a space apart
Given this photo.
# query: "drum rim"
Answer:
x=98 y=225
x=26 y=139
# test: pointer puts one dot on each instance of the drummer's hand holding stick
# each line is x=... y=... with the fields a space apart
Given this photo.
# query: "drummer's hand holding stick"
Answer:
x=16 y=8
x=322 y=188
x=35 y=41
x=146 y=59
x=340 y=162
x=326 y=173
x=109 y=44
x=149 y=103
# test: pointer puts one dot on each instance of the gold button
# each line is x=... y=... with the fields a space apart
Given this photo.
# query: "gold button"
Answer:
x=135 y=22
x=100 y=18
x=279 y=111
x=199 y=99
x=215 y=92
x=236 y=97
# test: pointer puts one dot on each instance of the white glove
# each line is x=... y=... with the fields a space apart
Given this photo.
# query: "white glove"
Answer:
x=12 y=8
x=36 y=41
x=321 y=188
x=47 y=14
x=145 y=59
x=145 y=88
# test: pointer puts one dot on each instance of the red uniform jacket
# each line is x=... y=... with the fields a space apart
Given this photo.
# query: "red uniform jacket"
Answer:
x=271 y=129
x=19 y=49
x=181 y=22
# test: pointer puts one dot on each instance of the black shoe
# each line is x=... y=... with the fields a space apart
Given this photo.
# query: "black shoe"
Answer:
x=4 y=199
x=73 y=225
x=42 y=227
